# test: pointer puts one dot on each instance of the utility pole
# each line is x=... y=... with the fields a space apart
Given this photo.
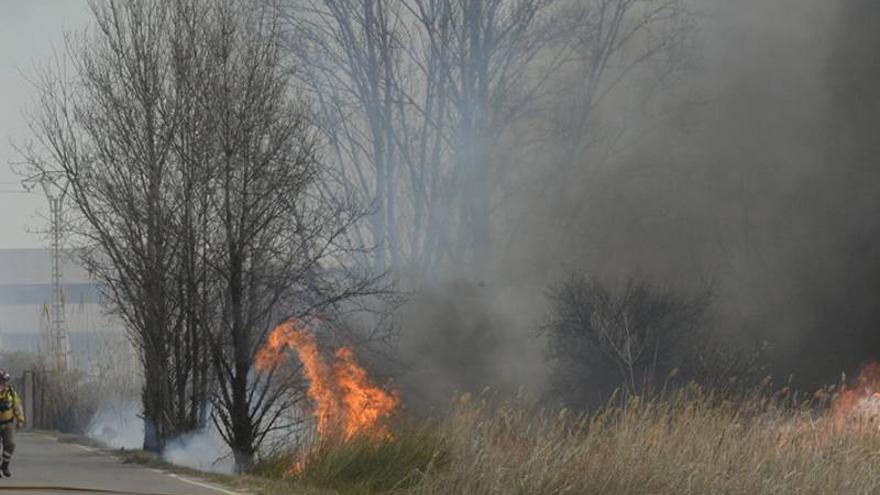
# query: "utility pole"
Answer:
x=56 y=339
x=59 y=347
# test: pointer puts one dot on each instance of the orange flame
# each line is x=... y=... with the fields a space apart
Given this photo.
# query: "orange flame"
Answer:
x=346 y=401
x=860 y=403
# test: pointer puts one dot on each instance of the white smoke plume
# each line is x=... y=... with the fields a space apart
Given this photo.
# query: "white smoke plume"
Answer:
x=201 y=450
x=119 y=425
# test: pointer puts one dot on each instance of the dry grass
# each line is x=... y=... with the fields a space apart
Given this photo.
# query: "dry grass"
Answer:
x=687 y=443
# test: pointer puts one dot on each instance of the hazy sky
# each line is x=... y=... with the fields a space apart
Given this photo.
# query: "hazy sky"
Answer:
x=28 y=31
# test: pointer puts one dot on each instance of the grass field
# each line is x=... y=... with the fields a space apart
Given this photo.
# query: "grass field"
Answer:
x=688 y=442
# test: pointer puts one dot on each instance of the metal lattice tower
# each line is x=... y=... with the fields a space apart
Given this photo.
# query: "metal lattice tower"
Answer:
x=59 y=347
x=56 y=339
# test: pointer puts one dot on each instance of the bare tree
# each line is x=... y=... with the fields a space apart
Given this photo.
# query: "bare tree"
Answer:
x=342 y=58
x=263 y=163
x=416 y=96
x=413 y=94
x=611 y=47
x=107 y=129
x=347 y=56
x=201 y=201
x=196 y=286
x=609 y=40
x=268 y=242
x=489 y=50
x=641 y=331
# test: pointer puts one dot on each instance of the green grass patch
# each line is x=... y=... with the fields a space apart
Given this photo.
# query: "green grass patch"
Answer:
x=363 y=465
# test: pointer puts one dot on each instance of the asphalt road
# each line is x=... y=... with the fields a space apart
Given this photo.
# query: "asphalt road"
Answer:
x=44 y=466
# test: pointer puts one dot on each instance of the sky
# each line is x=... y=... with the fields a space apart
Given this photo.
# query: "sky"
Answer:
x=29 y=29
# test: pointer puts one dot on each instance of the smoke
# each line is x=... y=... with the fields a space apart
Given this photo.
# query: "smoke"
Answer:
x=203 y=450
x=753 y=171
x=839 y=279
x=119 y=425
x=116 y=424
x=462 y=337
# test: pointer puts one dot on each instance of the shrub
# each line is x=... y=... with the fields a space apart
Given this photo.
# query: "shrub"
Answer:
x=601 y=338
x=64 y=400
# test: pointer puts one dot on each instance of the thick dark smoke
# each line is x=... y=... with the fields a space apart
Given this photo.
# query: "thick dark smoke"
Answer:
x=839 y=283
x=755 y=171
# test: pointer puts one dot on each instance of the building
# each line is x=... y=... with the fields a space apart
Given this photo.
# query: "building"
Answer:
x=26 y=296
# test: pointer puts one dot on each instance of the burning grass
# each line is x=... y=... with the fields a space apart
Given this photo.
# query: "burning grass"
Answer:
x=689 y=442
x=347 y=403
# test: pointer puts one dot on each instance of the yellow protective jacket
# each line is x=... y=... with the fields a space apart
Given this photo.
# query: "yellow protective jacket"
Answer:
x=10 y=406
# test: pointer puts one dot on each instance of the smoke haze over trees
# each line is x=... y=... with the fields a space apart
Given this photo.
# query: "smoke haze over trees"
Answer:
x=234 y=166
x=751 y=168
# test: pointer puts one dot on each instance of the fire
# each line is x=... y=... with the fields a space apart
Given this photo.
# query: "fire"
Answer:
x=346 y=401
x=860 y=403
x=854 y=409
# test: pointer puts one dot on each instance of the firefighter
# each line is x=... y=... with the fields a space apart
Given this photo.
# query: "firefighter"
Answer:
x=11 y=416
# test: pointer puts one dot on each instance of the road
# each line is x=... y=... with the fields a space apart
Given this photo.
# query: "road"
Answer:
x=44 y=466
